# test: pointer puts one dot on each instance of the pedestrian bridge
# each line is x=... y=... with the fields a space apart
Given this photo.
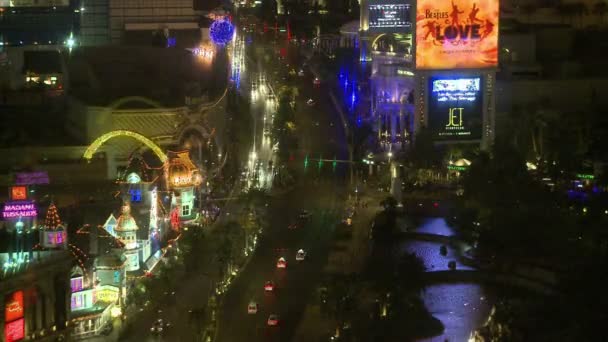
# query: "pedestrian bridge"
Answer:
x=485 y=276
x=520 y=275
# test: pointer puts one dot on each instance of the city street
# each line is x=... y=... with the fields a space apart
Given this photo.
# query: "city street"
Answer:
x=321 y=191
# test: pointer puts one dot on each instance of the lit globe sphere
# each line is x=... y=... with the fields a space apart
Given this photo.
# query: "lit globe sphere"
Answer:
x=221 y=32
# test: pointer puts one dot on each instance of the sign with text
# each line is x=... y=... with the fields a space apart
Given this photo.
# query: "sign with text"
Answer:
x=13 y=306
x=455 y=108
x=19 y=209
x=456 y=34
x=389 y=16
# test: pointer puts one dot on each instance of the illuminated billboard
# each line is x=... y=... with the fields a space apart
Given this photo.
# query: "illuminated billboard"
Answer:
x=34 y=3
x=456 y=34
x=385 y=17
x=455 y=108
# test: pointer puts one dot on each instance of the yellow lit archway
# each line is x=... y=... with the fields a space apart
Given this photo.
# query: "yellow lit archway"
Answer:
x=88 y=154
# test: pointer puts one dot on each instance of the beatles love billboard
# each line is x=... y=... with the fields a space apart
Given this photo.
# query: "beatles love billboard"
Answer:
x=456 y=34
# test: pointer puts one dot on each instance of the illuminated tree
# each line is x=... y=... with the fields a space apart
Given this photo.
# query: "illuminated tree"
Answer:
x=52 y=219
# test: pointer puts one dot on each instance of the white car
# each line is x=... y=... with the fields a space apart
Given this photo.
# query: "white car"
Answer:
x=300 y=255
x=310 y=102
x=281 y=263
x=273 y=320
x=252 y=308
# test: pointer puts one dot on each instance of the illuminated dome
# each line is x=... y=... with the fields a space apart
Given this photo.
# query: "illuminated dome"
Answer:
x=125 y=221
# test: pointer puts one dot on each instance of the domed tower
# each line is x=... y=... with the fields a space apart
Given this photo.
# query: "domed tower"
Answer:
x=53 y=232
x=126 y=231
x=182 y=177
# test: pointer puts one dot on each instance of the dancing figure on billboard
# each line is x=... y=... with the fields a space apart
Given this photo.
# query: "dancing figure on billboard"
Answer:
x=430 y=26
x=473 y=15
x=455 y=13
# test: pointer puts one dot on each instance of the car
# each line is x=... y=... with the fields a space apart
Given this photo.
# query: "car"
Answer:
x=273 y=320
x=266 y=132
x=300 y=255
x=292 y=226
x=316 y=81
x=310 y=102
x=301 y=73
x=252 y=308
x=281 y=263
x=157 y=326
x=269 y=286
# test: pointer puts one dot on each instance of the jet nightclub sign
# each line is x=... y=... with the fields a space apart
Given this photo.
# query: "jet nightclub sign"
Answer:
x=456 y=34
x=455 y=110
x=19 y=209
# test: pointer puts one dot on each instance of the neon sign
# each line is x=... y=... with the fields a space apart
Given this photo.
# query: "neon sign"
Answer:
x=29 y=178
x=13 y=308
x=14 y=331
x=19 y=209
x=18 y=193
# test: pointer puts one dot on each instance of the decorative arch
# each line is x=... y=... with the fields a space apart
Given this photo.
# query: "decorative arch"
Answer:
x=376 y=39
x=193 y=129
x=137 y=99
x=88 y=154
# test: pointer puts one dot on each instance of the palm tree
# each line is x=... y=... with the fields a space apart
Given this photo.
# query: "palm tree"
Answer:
x=600 y=8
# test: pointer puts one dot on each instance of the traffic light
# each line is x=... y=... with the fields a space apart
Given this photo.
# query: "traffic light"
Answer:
x=320 y=162
x=334 y=164
x=306 y=162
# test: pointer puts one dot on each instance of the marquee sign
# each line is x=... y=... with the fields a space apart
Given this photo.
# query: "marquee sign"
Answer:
x=389 y=16
x=19 y=209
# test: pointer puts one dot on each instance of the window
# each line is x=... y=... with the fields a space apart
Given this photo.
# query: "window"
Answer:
x=135 y=195
x=76 y=284
x=185 y=210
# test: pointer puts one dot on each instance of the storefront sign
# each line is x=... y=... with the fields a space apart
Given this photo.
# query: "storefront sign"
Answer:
x=456 y=34
x=107 y=293
x=19 y=209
